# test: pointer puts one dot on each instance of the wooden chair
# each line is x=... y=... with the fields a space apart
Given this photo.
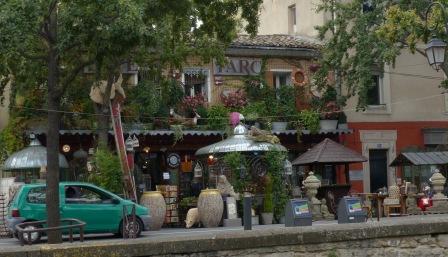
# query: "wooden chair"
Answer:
x=393 y=203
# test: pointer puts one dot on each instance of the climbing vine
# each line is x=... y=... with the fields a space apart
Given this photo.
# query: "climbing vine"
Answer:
x=234 y=161
x=274 y=160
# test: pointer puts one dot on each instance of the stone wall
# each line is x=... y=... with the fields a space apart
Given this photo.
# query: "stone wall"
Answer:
x=417 y=246
x=406 y=236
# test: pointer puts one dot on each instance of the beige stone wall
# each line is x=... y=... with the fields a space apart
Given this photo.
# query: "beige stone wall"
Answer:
x=411 y=93
x=4 y=114
x=274 y=17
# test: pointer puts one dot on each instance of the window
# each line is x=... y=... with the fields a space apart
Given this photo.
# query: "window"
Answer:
x=292 y=19
x=196 y=82
x=367 y=6
x=36 y=195
x=85 y=195
x=281 y=79
x=375 y=92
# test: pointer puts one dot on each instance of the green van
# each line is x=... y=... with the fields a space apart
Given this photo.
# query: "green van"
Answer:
x=101 y=210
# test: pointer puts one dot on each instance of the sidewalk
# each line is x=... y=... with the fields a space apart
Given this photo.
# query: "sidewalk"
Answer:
x=187 y=241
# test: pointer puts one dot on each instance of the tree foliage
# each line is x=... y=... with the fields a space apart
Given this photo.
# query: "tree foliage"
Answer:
x=108 y=171
x=365 y=35
x=47 y=44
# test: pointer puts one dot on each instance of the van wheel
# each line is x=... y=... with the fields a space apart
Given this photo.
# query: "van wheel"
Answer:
x=131 y=228
x=33 y=237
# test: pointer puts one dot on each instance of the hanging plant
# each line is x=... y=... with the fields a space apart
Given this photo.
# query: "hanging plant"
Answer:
x=178 y=133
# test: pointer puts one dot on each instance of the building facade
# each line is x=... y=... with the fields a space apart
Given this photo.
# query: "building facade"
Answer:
x=407 y=109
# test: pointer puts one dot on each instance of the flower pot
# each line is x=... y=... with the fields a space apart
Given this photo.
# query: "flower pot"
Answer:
x=279 y=125
x=157 y=208
x=282 y=220
x=267 y=218
x=210 y=207
x=328 y=124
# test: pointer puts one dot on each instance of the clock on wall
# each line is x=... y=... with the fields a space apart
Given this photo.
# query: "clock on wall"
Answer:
x=173 y=160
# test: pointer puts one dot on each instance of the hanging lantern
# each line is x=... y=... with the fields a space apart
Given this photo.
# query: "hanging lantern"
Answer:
x=80 y=154
x=197 y=170
x=435 y=52
x=135 y=142
x=287 y=166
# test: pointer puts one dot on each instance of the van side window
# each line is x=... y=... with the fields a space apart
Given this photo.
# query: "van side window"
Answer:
x=36 y=195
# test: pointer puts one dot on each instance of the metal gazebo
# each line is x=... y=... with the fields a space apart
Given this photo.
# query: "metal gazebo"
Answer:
x=241 y=142
x=28 y=162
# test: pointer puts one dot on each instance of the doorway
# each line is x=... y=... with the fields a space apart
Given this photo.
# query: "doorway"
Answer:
x=378 y=169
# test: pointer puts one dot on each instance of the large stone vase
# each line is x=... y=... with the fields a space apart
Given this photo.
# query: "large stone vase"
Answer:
x=210 y=207
x=157 y=208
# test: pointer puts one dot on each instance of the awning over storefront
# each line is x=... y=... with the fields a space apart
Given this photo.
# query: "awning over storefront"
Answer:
x=421 y=158
x=185 y=132
x=329 y=152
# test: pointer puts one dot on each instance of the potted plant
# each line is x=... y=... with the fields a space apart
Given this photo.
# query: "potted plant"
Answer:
x=191 y=104
x=283 y=107
x=329 y=116
x=267 y=215
x=310 y=120
x=253 y=111
x=218 y=117
x=234 y=100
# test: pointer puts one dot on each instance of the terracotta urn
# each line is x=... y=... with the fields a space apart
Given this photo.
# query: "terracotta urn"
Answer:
x=155 y=202
x=210 y=207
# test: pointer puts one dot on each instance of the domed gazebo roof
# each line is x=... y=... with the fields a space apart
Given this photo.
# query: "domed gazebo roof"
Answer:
x=239 y=142
x=32 y=157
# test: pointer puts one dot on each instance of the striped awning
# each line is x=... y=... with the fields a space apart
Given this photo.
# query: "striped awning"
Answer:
x=163 y=132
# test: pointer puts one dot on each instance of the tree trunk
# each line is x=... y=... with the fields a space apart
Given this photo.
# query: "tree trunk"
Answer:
x=103 y=125
x=54 y=118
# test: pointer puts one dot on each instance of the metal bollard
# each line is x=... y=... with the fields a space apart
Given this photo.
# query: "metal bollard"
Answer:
x=247 y=212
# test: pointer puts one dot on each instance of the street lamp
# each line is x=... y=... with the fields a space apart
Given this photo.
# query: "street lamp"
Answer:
x=435 y=52
x=435 y=49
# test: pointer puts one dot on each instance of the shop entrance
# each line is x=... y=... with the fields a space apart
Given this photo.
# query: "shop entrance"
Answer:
x=378 y=169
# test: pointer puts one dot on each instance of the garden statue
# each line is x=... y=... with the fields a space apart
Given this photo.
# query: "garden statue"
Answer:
x=311 y=184
x=411 y=200
x=176 y=119
x=263 y=136
x=235 y=118
x=225 y=188
x=98 y=92
x=192 y=218
x=324 y=211
x=439 y=203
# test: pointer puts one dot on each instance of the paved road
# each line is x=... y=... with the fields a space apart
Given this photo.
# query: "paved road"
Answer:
x=165 y=233
x=182 y=232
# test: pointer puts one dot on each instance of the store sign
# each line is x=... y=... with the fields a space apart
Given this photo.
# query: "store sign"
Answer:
x=239 y=67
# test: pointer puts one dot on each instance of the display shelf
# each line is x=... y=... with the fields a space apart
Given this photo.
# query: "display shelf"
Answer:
x=170 y=193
